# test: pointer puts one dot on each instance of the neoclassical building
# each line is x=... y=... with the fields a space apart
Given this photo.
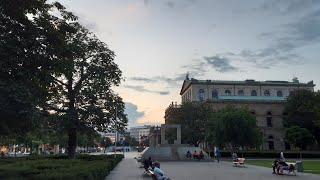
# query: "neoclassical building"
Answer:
x=265 y=100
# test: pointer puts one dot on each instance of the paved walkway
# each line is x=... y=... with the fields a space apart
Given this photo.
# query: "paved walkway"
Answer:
x=128 y=169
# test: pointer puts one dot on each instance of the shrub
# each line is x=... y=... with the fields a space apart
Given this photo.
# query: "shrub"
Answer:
x=58 y=167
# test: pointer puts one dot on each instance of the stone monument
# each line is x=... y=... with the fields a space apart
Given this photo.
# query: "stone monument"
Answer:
x=163 y=151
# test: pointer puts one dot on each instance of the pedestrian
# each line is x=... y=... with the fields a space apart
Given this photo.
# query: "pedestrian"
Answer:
x=218 y=154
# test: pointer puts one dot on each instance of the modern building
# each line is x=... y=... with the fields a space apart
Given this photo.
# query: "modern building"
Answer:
x=113 y=136
x=139 y=131
x=265 y=100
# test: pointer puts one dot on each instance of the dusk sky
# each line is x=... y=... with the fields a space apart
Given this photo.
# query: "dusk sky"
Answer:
x=157 y=42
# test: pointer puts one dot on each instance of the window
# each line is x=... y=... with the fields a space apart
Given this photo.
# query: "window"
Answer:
x=269 y=113
x=271 y=145
x=253 y=93
x=240 y=93
x=215 y=94
x=279 y=93
x=266 y=93
x=253 y=112
x=201 y=95
x=227 y=92
x=269 y=121
x=270 y=137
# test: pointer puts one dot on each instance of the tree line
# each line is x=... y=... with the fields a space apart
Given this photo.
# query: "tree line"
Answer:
x=233 y=127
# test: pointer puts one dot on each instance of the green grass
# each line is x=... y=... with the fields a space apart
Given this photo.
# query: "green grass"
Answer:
x=84 y=167
x=309 y=166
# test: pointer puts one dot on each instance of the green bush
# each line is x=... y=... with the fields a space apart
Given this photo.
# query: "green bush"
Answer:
x=51 y=167
x=271 y=154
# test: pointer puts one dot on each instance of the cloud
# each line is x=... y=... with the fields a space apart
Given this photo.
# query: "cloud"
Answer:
x=143 y=79
x=142 y=89
x=220 y=64
x=133 y=114
x=170 y=4
x=286 y=7
x=171 y=81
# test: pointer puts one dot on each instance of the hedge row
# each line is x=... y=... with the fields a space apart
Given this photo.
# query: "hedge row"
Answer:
x=58 y=167
x=270 y=154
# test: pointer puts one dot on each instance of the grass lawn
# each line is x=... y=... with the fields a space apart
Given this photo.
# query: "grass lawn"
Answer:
x=309 y=166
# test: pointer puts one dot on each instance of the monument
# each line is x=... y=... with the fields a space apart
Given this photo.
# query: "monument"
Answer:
x=161 y=150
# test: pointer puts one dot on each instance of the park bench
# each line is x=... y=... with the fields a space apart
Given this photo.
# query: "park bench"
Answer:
x=151 y=173
x=239 y=162
x=288 y=170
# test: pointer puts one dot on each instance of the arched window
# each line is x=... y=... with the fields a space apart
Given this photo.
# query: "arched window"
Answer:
x=227 y=92
x=270 y=137
x=240 y=93
x=266 y=93
x=215 y=94
x=201 y=95
x=269 y=113
x=279 y=93
x=253 y=93
x=253 y=112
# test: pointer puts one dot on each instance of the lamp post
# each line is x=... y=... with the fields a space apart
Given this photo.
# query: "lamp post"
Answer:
x=115 y=139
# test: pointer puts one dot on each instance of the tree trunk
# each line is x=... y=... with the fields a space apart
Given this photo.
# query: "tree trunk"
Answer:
x=72 y=143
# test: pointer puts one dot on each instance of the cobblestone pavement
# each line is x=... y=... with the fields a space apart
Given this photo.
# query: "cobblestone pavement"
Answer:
x=128 y=169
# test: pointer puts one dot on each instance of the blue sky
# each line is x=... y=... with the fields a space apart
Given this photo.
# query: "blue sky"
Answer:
x=158 y=41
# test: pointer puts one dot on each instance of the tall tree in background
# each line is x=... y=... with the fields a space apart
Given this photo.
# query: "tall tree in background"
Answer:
x=193 y=118
x=235 y=127
x=303 y=110
x=299 y=137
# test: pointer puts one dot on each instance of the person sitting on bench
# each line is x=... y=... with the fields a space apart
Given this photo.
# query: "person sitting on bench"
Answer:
x=274 y=166
x=201 y=155
x=147 y=163
x=158 y=172
x=188 y=155
x=234 y=157
x=195 y=155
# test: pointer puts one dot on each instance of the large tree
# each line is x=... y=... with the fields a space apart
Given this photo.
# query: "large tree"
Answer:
x=303 y=107
x=57 y=66
x=193 y=118
x=299 y=137
x=235 y=127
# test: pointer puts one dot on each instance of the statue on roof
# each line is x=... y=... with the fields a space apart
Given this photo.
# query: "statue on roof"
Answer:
x=187 y=76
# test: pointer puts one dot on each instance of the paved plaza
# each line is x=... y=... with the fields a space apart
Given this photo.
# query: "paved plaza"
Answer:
x=128 y=169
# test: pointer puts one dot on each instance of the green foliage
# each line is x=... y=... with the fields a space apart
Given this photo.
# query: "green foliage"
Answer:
x=50 y=63
x=193 y=118
x=299 y=137
x=235 y=127
x=303 y=110
x=55 y=167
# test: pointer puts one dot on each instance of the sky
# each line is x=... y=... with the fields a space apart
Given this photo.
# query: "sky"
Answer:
x=157 y=42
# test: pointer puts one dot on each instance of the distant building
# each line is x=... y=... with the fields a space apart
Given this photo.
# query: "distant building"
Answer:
x=139 y=131
x=112 y=136
x=265 y=99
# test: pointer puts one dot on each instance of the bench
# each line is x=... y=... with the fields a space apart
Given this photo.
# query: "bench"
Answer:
x=239 y=162
x=151 y=173
x=288 y=170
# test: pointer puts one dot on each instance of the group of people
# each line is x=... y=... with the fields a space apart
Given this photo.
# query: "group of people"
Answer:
x=155 y=167
x=279 y=165
x=195 y=155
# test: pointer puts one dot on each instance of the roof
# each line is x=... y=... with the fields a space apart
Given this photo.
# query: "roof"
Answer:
x=249 y=82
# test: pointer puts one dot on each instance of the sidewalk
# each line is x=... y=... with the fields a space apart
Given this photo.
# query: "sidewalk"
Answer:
x=128 y=168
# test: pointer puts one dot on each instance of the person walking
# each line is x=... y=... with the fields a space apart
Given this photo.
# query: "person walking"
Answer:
x=218 y=154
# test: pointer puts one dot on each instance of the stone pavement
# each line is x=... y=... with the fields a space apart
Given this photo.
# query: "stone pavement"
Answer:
x=128 y=169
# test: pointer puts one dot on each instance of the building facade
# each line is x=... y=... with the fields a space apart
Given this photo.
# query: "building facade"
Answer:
x=139 y=132
x=265 y=100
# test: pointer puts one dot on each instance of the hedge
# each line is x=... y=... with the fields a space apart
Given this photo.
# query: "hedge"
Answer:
x=270 y=154
x=58 y=167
